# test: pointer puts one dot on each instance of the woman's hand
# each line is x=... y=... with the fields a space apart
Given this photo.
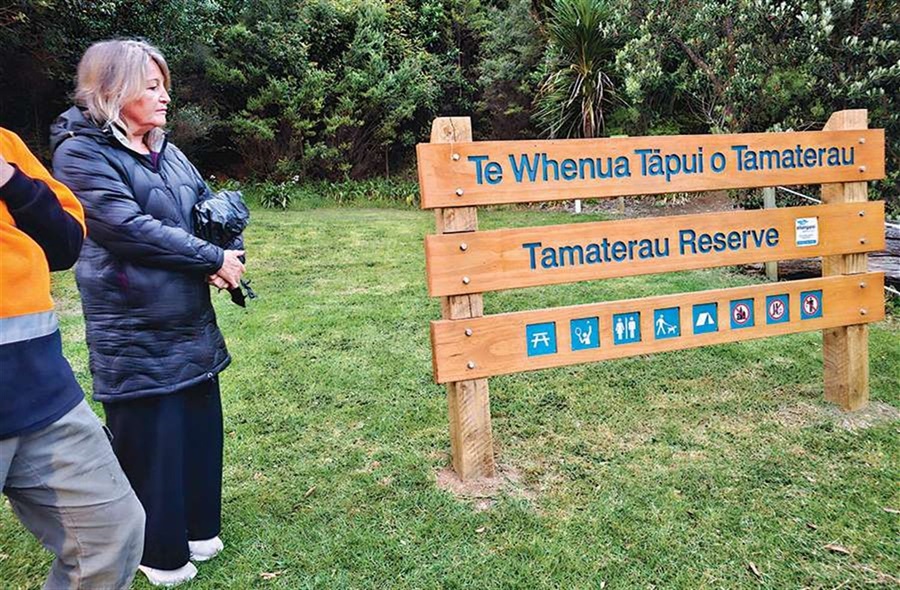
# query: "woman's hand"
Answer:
x=217 y=282
x=232 y=268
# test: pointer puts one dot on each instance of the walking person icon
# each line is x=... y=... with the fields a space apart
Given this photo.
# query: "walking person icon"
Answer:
x=667 y=322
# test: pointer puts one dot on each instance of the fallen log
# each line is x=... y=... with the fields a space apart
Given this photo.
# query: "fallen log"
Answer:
x=886 y=261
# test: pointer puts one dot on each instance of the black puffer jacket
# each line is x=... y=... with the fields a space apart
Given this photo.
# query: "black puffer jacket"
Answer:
x=151 y=328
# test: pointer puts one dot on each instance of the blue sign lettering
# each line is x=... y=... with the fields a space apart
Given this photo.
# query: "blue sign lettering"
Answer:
x=654 y=162
x=690 y=243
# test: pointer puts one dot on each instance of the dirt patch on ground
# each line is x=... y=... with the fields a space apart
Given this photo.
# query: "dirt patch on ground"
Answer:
x=484 y=492
x=802 y=415
x=872 y=415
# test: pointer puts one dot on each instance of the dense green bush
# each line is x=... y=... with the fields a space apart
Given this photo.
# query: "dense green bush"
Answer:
x=770 y=65
x=295 y=192
x=344 y=89
x=275 y=195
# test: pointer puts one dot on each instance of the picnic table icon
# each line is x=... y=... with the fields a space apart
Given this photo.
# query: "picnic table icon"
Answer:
x=540 y=338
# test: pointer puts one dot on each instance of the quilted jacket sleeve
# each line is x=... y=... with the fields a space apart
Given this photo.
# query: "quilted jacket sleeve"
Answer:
x=115 y=219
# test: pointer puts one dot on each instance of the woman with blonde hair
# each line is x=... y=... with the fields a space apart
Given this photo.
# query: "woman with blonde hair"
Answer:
x=155 y=349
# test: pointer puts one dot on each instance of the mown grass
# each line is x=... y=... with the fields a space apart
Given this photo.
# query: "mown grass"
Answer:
x=668 y=471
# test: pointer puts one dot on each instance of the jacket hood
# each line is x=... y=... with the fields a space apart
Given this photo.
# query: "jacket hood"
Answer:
x=70 y=124
x=74 y=122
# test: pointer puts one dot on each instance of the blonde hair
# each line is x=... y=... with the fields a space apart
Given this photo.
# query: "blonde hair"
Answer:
x=111 y=74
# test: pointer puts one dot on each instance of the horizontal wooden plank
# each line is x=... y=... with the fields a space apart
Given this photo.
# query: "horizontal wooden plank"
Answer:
x=494 y=172
x=522 y=341
x=526 y=257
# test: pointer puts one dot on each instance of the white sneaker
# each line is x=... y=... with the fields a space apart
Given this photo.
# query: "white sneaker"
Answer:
x=175 y=577
x=207 y=549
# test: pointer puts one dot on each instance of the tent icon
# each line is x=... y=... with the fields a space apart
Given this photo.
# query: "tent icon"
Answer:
x=705 y=319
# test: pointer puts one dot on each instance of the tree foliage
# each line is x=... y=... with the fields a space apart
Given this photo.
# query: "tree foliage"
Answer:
x=765 y=65
x=509 y=70
x=330 y=89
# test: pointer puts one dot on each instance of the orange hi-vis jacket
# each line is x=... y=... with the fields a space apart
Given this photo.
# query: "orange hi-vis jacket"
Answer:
x=24 y=271
x=41 y=229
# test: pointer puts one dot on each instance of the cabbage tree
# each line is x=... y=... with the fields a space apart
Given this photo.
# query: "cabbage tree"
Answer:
x=581 y=53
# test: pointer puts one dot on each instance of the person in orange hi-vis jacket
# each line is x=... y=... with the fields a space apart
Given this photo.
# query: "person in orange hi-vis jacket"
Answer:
x=56 y=464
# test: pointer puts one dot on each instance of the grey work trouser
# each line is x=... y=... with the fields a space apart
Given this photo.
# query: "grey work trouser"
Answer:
x=67 y=488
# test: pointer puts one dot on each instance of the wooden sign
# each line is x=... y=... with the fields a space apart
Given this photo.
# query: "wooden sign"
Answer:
x=456 y=175
x=524 y=341
x=493 y=172
x=512 y=258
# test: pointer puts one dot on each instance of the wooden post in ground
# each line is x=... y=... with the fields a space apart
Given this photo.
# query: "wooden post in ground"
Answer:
x=769 y=203
x=846 y=349
x=471 y=440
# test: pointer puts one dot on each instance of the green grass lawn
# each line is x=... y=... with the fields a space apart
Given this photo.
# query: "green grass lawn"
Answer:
x=669 y=471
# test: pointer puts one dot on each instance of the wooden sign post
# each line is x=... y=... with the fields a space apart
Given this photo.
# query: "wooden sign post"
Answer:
x=471 y=441
x=457 y=174
x=846 y=348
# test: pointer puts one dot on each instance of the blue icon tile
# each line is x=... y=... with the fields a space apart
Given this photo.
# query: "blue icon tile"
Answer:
x=778 y=309
x=585 y=333
x=667 y=323
x=540 y=339
x=741 y=314
x=626 y=327
x=706 y=318
x=811 y=304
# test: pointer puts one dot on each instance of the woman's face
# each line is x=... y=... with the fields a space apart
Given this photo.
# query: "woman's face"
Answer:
x=149 y=109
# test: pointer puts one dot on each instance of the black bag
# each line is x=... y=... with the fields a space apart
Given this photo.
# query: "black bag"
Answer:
x=221 y=220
